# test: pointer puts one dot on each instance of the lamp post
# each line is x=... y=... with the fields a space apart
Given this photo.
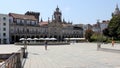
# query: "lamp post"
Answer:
x=14 y=24
x=48 y=28
x=25 y=26
x=98 y=38
x=25 y=42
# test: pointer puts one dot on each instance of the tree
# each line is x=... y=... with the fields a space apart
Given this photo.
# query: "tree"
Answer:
x=114 y=27
x=106 y=32
x=98 y=37
x=88 y=34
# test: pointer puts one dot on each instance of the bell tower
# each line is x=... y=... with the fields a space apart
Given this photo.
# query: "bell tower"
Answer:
x=58 y=15
x=117 y=11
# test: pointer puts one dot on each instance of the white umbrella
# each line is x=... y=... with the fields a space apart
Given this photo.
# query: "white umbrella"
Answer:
x=47 y=38
x=35 y=39
x=67 y=38
x=41 y=38
x=77 y=38
x=82 y=38
x=29 y=39
x=53 y=39
x=73 y=38
x=22 y=39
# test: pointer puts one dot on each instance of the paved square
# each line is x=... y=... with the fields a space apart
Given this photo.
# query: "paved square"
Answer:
x=78 y=55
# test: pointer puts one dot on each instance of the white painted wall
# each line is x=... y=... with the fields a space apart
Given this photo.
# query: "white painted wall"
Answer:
x=4 y=28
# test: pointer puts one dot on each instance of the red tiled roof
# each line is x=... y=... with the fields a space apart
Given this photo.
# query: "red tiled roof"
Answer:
x=20 y=16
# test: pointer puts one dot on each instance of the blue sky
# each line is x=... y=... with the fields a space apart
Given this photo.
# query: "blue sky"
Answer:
x=77 y=11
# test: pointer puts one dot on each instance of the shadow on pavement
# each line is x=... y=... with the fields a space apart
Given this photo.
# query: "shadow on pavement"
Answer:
x=109 y=50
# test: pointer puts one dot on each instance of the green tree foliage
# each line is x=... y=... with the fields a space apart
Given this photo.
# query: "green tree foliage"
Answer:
x=114 y=27
x=106 y=32
x=94 y=37
x=98 y=37
x=88 y=34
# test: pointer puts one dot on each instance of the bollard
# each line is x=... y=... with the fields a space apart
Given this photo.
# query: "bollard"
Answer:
x=24 y=52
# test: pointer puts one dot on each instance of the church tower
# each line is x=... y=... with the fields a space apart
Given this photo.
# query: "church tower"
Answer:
x=58 y=15
x=116 y=12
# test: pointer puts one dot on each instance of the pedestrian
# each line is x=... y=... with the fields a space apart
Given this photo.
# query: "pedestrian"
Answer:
x=45 y=44
x=113 y=43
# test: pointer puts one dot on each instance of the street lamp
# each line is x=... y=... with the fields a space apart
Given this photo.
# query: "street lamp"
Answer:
x=14 y=24
x=25 y=53
x=98 y=38
x=25 y=26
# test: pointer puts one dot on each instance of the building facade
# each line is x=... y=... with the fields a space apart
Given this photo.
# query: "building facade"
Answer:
x=24 y=26
x=15 y=26
x=100 y=26
x=4 y=29
x=60 y=29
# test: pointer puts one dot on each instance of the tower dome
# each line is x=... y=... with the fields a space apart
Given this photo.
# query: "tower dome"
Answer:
x=57 y=15
x=57 y=9
x=117 y=11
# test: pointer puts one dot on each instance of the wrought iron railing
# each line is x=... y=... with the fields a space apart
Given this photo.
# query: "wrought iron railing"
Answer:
x=14 y=61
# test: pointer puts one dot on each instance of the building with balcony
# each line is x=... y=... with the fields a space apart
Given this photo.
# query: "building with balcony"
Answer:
x=24 y=26
x=15 y=26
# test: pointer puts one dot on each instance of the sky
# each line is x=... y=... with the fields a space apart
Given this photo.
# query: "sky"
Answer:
x=76 y=11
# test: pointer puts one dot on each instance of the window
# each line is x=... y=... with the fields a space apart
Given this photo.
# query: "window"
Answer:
x=12 y=30
x=4 y=18
x=25 y=22
x=36 y=22
x=4 y=41
x=28 y=22
x=4 y=24
x=18 y=21
x=10 y=20
x=4 y=29
x=14 y=20
x=0 y=41
x=18 y=30
x=32 y=22
x=22 y=21
x=27 y=30
x=4 y=34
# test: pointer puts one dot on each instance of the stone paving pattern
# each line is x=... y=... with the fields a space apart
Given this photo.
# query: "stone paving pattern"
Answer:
x=9 y=48
x=77 y=55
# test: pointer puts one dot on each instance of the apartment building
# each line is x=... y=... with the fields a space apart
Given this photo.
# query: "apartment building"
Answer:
x=4 y=29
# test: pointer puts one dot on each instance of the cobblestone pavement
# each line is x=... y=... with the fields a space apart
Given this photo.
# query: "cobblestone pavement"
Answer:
x=77 y=55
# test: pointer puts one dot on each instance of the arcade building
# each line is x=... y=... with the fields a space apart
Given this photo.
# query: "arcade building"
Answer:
x=28 y=26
